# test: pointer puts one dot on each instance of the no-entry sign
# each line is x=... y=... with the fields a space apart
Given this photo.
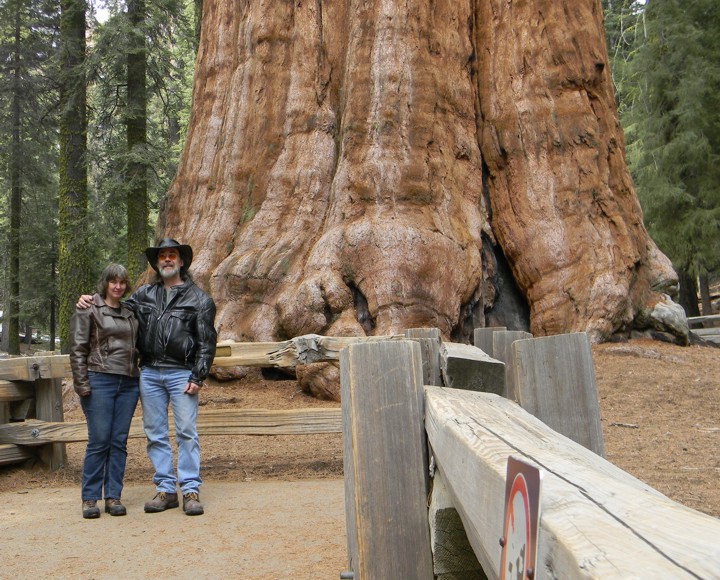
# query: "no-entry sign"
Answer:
x=522 y=516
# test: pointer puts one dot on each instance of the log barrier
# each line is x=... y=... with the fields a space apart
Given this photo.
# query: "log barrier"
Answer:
x=425 y=463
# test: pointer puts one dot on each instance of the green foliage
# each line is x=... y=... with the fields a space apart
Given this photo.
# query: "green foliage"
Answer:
x=28 y=162
x=170 y=57
x=624 y=23
x=672 y=121
x=78 y=208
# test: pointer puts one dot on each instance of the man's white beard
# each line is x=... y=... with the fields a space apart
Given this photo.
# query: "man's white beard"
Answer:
x=169 y=273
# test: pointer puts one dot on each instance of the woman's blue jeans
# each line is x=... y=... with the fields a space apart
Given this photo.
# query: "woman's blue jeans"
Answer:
x=161 y=388
x=108 y=410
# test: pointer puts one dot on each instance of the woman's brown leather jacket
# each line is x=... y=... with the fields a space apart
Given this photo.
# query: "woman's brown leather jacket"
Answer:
x=104 y=341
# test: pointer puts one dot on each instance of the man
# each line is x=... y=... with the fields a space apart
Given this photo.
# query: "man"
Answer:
x=176 y=340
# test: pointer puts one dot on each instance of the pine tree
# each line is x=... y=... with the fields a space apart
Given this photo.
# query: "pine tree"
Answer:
x=624 y=23
x=74 y=262
x=673 y=133
x=136 y=131
x=142 y=73
x=28 y=102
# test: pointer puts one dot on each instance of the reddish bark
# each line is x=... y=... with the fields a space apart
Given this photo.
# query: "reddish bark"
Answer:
x=365 y=167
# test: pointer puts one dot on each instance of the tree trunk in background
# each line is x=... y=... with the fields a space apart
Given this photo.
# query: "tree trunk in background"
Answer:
x=136 y=131
x=705 y=295
x=73 y=251
x=12 y=316
x=688 y=298
x=361 y=168
x=197 y=19
x=53 y=297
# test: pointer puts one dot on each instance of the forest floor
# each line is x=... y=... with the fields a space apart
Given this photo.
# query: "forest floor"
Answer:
x=274 y=505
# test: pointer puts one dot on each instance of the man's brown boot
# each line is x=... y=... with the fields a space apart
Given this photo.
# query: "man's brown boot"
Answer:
x=192 y=505
x=114 y=507
x=90 y=510
x=161 y=502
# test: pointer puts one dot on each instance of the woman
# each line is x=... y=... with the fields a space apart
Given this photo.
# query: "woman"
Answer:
x=104 y=363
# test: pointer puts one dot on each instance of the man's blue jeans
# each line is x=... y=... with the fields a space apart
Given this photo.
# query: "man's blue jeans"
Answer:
x=108 y=410
x=159 y=388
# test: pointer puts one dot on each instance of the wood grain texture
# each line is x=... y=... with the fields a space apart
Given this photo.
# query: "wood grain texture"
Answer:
x=596 y=520
x=483 y=338
x=467 y=367
x=13 y=454
x=26 y=368
x=209 y=422
x=306 y=349
x=429 y=340
x=453 y=557
x=502 y=341
x=11 y=391
x=385 y=461
x=555 y=381
x=49 y=407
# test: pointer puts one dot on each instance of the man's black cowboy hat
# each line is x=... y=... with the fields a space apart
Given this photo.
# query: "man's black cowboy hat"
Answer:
x=185 y=251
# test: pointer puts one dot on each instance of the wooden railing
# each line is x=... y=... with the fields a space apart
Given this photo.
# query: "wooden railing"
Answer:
x=408 y=436
x=27 y=382
x=706 y=327
x=36 y=381
x=596 y=520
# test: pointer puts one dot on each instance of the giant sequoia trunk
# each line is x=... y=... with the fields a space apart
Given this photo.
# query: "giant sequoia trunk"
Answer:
x=361 y=167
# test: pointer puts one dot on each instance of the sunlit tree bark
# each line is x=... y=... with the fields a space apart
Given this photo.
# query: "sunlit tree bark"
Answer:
x=366 y=167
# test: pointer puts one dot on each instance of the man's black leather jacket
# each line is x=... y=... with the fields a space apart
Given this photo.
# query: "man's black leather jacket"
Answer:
x=178 y=331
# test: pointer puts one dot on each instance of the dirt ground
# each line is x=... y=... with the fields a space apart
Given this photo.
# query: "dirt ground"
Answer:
x=660 y=408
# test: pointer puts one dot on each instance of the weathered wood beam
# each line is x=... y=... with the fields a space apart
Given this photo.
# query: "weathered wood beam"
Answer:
x=30 y=368
x=453 y=556
x=694 y=321
x=385 y=461
x=502 y=343
x=715 y=337
x=706 y=333
x=483 y=338
x=210 y=422
x=467 y=367
x=596 y=521
x=48 y=407
x=430 y=341
x=11 y=391
x=304 y=349
x=13 y=454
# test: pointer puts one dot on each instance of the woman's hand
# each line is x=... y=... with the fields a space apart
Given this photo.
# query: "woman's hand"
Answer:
x=85 y=301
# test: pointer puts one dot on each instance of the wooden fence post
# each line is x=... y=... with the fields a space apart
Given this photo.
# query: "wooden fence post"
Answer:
x=483 y=338
x=555 y=382
x=385 y=461
x=48 y=407
x=453 y=556
x=502 y=342
x=429 y=339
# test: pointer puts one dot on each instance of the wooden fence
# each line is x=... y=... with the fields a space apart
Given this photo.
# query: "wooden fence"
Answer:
x=706 y=327
x=32 y=387
x=596 y=520
x=408 y=437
